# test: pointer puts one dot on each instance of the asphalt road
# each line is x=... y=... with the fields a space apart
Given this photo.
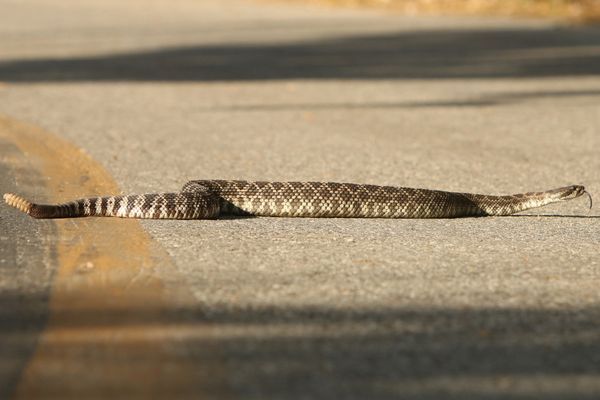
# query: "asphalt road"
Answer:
x=139 y=96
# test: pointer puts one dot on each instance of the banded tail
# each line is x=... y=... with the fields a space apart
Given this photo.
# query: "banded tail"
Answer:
x=184 y=205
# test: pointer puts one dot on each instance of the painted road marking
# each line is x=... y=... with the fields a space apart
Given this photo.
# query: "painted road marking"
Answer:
x=111 y=328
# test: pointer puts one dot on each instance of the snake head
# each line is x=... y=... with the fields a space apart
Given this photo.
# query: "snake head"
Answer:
x=574 y=191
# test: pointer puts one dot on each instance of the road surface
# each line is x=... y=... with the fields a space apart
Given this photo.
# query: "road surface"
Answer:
x=103 y=97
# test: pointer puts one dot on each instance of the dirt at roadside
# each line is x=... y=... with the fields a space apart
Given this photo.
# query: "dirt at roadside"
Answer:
x=581 y=11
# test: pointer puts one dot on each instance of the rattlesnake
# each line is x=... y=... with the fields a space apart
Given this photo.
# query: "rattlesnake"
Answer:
x=206 y=199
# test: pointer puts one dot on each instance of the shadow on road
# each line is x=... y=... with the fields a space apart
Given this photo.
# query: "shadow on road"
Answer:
x=22 y=318
x=322 y=353
x=491 y=99
x=427 y=54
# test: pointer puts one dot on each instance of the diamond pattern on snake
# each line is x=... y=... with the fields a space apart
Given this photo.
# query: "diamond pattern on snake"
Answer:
x=209 y=199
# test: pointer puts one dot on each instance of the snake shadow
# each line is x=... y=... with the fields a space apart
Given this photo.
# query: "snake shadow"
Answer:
x=553 y=216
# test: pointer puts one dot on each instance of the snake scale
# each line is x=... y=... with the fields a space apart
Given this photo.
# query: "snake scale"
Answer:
x=208 y=199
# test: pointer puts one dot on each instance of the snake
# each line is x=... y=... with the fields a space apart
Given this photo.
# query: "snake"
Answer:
x=211 y=199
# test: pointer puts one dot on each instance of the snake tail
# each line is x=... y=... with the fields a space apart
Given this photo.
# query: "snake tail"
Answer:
x=151 y=206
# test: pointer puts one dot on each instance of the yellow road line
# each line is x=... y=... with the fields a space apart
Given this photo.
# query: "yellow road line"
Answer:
x=105 y=283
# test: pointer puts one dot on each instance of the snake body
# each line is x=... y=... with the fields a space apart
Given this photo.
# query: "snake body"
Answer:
x=207 y=199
